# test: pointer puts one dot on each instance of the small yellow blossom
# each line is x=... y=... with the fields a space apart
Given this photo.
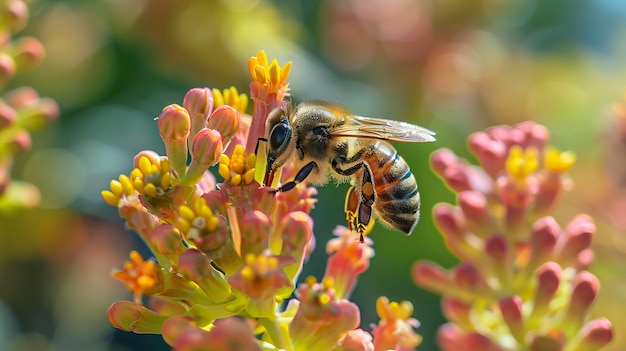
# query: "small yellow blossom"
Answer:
x=119 y=188
x=521 y=163
x=141 y=277
x=151 y=177
x=269 y=75
x=196 y=219
x=232 y=98
x=238 y=167
x=557 y=161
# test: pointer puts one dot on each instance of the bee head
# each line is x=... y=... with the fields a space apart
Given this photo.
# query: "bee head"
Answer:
x=279 y=140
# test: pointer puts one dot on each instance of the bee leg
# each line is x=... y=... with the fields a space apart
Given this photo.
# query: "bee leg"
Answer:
x=300 y=176
x=366 y=202
x=351 y=206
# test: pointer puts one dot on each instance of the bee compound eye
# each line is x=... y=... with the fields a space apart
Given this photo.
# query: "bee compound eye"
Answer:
x=278 y=136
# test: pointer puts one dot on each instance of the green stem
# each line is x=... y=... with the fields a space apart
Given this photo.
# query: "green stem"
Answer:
x=272 y=325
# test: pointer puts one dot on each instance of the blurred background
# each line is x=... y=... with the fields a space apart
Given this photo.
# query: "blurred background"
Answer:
x=454 y=66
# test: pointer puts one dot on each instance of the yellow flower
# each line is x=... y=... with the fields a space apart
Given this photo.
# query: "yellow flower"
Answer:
x=232 y=98
x=238 y=168
x=557 y=161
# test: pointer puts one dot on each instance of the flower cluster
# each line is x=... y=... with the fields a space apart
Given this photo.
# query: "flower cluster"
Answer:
x=22 y=109
x=228 y=255
x=522 y=282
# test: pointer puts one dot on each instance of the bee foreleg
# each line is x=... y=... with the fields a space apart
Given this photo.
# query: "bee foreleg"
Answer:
x=302 y=174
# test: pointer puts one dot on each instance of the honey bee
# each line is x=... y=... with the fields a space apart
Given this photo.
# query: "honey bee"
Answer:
x=325 y=140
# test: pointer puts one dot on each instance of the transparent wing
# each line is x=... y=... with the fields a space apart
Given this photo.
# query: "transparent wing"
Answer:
x=383 y=129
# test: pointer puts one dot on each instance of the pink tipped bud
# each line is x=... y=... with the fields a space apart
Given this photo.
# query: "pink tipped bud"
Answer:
x=490 y=153
x=7 y=115
x=469 y=279
x=548 y=280
x=594 y=335
x=474 y=207
x=535 y=135
x=168 y=240
x=497 y=247
x=498 y=250
x=20 y=142
x=196 y=266
x=457 y=177
x=434 y=278
x=511 y=309
x=21 y=97
x=224 y=119
x=356 y=340
x=16 y=13
x=443 y=159
x=543 y=238
x=544 y=342
x=129 y=316
x=30 y=53
x=174 y=327
x=457 y=311
x=206 y=148
x=578 y=235
x=199 y=103
x=584 y=291
x=174 y=126
x=255 y=230
x=451 y=222
x=7 y=67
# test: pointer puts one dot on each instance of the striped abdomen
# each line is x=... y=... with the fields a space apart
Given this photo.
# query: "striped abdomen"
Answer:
x=397 y=201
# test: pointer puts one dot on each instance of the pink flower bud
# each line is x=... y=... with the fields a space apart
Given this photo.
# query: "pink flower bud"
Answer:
x=578 y=235
x=255 y=230
x=443 y=159
x=29 y=53
x=548 y=280
x=225 y=120
x=199 y=103
x=7 y=67
x=458 y=312
x=535 y=135
x=451 y=338
x=474 y=207
x=174 y=125
x=452 y=224
x=168 y=240
x=16 y=13
x=20 y=142
x=469 y=279
x=8 y=115
x=553 y=342
x=206 y=148
x=129 y=316
x=296 y=229
x=594 y=335
x=196 y=266
x=543 y=238
x=584 y=291
x=490 y=153
x=498 y=250
x=434 y=278
x=21 y=97
x=356 y=340
x=511 y=309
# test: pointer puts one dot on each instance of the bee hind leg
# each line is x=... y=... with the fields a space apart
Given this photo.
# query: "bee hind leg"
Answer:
x=302 y=174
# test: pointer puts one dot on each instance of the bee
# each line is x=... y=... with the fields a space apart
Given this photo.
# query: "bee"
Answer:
x=325 y=140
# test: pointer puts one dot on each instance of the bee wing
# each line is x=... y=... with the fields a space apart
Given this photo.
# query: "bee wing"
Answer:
x=383 y=129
